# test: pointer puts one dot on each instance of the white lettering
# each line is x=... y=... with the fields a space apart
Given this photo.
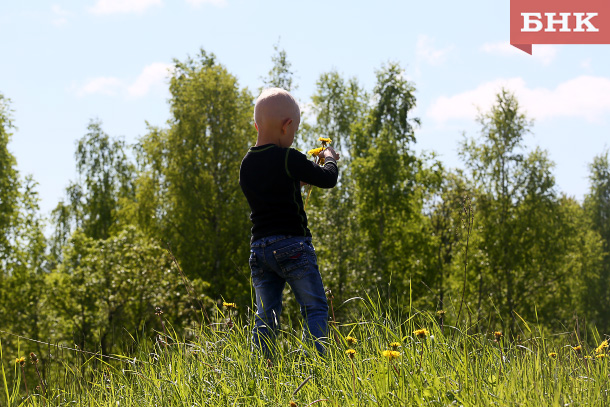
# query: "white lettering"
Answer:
x=550 y=22
x=528 y=21
x=580 y=22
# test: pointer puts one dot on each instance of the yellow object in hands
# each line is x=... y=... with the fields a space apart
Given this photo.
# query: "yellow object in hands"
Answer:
x=315 y=151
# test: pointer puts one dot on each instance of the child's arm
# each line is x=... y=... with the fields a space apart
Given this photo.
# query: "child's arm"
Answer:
x=300 y=168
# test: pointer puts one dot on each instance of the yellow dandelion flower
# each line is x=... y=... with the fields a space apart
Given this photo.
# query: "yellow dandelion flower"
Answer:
x=577 y=349
x=351 y=353
x=440 y=313
x=395 y=345
x=390 y=354
x=601 y=356
x=602 y=346
x=552 y=355
x=351 y=340
x=20 y=361
x=293 y=404
x=229 y=305
x=325 y=140
x=498 y=336
x=588 y=357
x=421 y=333
x=315 y=151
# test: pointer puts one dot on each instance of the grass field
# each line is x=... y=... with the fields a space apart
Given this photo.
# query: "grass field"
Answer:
x=431 y=366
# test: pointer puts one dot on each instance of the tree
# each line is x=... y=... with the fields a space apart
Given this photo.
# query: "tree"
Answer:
x=389 y=185
x=447 y=209
x=191 y=174
x=597 y=202
x=494 y=164
x=337 y=105
x=105 y=287
x=526 y=235
x=22 y=246
x=105 y=183
x=597 y=209
x=280 y=75
x=9 y=186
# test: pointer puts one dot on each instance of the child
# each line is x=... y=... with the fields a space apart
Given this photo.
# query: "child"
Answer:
x=270 y=177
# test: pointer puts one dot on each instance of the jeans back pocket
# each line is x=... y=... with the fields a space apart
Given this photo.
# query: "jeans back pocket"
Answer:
x=291 y=258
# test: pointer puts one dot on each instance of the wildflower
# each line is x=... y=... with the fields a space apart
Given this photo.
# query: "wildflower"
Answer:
x=229 y=305
x=351 y=353
x=601 y=356
x=293 y=404
x=552 y=355
x=602 y=346
x=351 y=340
x=498 y=336
x=34 y=360
x=20 y=361
x=440 y=313
x=158 y=311
x=390 y=354
x=588 y=357
x=325 y=140
x=315 y=151
x=421 y=333
x=577 y=349
x=395 y=345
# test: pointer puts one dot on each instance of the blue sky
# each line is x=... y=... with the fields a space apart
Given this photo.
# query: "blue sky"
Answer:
x=66 y=62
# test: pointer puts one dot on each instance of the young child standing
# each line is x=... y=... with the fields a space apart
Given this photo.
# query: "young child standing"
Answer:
x=281 y=251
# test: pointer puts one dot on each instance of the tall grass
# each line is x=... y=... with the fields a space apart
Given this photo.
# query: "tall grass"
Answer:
x=217 y=367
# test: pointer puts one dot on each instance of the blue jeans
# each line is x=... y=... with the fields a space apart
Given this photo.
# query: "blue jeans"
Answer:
x=275 y=261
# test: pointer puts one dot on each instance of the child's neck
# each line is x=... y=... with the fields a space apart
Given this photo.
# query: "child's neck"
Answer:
x=263 y=139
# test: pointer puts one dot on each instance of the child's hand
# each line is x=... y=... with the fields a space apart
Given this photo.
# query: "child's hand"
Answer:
x=330 y=152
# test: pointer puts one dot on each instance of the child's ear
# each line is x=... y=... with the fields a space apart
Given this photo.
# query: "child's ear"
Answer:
x=285 y=125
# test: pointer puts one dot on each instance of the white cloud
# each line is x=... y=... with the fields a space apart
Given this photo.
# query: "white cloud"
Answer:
x=60 y=15
x=217 y=3
x=584 y=97
x=542 y=53
x=108 y=86
x=153 y=76
x=426 y=52
x=122 y=6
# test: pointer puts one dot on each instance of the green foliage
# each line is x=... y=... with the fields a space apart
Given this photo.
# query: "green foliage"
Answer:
x=22 y=246
x=9 y=185
x=526 y=235
x=106 y=286
x=188 y=193
x=105 y=180
x=445 y=208
x=388 y=198
x=337 y=106
x=280 y=75
x=597 y=209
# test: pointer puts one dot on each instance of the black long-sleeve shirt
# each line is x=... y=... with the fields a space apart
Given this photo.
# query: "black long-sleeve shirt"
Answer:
x=270 y=178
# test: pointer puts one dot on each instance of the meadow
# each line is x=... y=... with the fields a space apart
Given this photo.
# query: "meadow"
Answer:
x=163 y=223
x=385 y=355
